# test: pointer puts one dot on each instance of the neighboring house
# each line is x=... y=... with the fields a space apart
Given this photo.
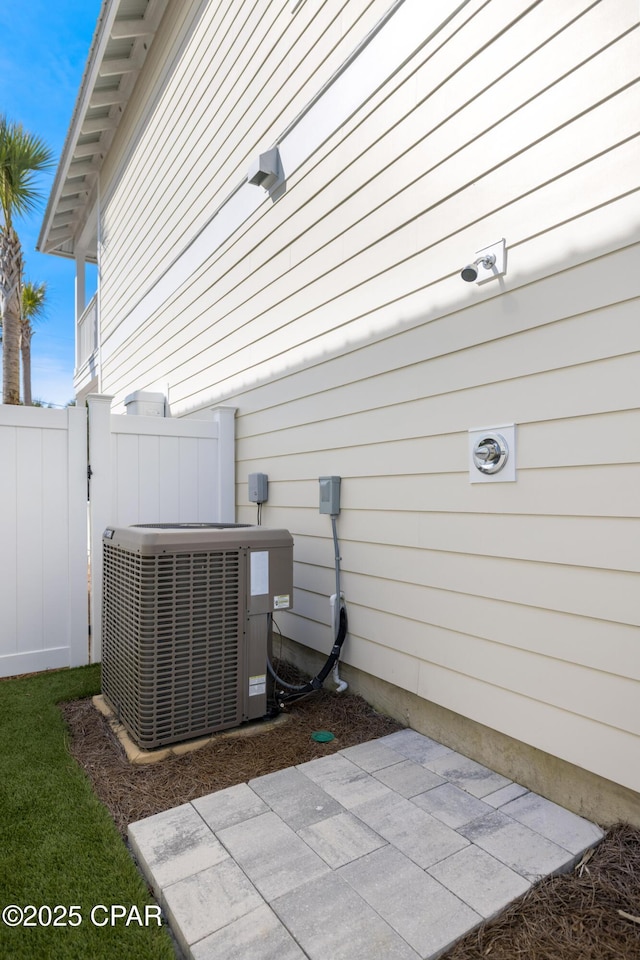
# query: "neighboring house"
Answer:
x=325 y=302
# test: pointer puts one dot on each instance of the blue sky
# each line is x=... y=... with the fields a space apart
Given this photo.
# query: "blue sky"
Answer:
x=42 y=57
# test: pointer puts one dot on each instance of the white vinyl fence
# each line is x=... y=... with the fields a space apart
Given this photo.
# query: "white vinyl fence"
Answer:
x=43 y=539
x=155 y=470
x=143 y=469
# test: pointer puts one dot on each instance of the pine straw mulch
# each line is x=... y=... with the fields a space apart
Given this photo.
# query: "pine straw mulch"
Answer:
x=592 y=913
x=133 y=791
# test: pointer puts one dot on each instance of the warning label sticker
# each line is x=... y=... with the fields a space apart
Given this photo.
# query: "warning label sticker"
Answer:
x=257 y=685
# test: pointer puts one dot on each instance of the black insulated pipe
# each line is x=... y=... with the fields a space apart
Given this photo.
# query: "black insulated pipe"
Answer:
x=316 y=684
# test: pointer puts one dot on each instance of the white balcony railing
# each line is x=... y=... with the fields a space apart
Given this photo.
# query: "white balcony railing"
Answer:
x=87 y=333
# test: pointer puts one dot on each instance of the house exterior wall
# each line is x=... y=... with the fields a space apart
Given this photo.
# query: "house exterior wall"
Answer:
x=334 y=318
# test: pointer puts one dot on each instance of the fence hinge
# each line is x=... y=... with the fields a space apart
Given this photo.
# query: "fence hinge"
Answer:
x=89 y=475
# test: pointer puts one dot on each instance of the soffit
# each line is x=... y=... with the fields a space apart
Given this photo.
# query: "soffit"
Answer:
x=121 y=43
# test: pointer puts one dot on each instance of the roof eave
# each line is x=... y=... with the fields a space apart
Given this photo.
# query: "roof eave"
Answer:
x=118 y=50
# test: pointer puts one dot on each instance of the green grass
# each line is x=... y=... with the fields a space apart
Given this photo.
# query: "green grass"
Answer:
x=58 y=844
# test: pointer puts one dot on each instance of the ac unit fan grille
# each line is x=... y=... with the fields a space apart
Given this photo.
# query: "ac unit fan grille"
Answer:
x=172 y=631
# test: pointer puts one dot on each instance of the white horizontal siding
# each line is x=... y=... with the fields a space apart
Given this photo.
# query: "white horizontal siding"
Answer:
x=585 y=492
x=297 y=305
x=573 y=342
x=402 y=345
x=229 y=96
x=605 y=594
x=405 y=617
x=607 y=67
x=588 y=388
x=336 y=321
x=612 y=752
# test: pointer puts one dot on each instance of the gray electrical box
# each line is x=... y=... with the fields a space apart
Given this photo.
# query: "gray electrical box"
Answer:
x=330 y=495
x=258 y=487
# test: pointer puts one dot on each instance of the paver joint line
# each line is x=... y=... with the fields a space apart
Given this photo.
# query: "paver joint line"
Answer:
x=405 y=843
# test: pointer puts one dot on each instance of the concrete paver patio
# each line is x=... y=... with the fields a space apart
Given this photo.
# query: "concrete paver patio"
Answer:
x=390 y=850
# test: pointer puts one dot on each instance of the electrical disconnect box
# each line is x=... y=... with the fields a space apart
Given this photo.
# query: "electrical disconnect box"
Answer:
x=258 y=487
x=330 y=495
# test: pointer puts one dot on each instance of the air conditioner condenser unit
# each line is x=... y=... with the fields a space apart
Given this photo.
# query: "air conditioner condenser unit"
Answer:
x=186 y=625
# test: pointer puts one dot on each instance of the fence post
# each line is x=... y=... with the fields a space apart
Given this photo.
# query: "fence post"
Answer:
x=225 y=481
x=77 y=492
x=100 y=494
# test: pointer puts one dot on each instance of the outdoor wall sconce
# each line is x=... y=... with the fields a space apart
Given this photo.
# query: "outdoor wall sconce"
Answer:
x=490 y=262
x=266 y=170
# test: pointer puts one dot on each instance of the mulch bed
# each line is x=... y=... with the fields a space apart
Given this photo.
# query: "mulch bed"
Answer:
x=592 y=913
x=131 y=791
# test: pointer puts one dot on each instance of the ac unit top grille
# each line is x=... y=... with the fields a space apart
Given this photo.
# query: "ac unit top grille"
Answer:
x=150 y=538
x=190 y=526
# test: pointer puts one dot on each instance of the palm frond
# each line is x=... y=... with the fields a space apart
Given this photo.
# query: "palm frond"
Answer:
x=34 y=296
x=22 y=156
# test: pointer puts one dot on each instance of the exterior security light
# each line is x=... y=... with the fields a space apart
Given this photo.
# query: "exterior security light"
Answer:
x=490 y=262
x=266 y=170
x=470 y=272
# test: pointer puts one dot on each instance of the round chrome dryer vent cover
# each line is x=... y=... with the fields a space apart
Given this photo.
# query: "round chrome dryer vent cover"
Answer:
x=490 y=453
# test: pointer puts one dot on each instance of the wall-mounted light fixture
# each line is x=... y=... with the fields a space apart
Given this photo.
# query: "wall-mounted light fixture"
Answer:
x=266 y=169
x=490 y=262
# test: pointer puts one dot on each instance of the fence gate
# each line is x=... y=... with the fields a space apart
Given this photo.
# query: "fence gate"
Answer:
x=143 y=470
x=155 y=470
x=43 y=539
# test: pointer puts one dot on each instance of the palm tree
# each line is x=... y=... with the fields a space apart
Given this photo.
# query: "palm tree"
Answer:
x=22 y=156
x=33 y=308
